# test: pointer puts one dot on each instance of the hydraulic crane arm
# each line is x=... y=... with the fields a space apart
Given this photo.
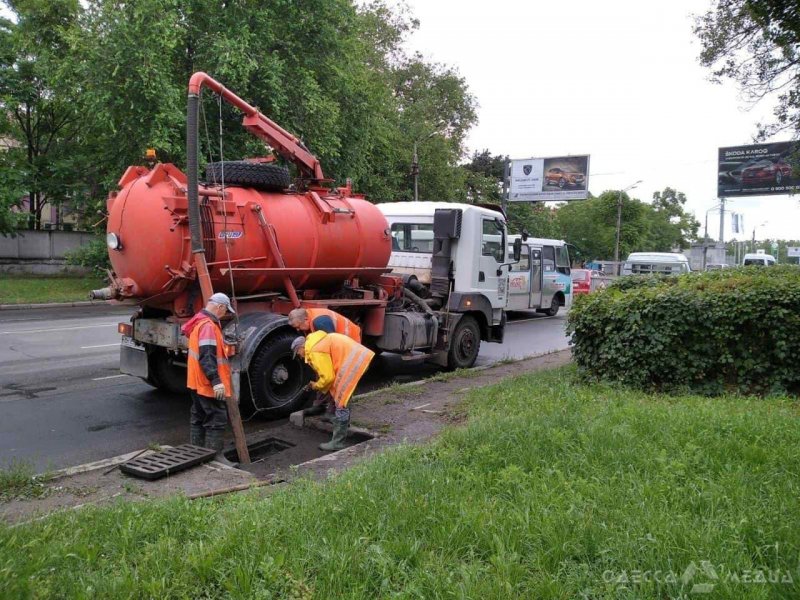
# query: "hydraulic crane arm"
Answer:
x=263 y=128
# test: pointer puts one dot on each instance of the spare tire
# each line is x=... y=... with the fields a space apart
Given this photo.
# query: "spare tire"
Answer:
x=261 y=176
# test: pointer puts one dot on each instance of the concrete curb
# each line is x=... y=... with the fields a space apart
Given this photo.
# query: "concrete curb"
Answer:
x=56 y=305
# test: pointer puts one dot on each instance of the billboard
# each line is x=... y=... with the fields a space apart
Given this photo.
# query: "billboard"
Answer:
x=543 y=179
x=758 y=170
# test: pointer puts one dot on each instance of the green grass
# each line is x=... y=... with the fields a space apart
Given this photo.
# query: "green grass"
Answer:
x=554 y=489
x=17 y=289
x=19 y=481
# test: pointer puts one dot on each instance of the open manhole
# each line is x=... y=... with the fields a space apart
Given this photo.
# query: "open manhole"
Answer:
x=260 y=450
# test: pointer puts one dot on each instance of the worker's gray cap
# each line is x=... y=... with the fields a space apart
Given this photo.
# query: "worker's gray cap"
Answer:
x=297 y=343
x=222 y=299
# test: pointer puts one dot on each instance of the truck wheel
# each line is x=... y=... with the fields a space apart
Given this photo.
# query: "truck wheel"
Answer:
x=555 y=304
x=270 y=178
x=465 y=344
x=277 y=380
x=164 y=375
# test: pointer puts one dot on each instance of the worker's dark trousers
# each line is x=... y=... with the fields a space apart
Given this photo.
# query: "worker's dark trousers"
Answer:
x=209 y=413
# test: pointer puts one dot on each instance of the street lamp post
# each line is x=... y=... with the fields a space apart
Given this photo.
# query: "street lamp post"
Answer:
x=753 y=246
x=619 y=222
x=415 y=163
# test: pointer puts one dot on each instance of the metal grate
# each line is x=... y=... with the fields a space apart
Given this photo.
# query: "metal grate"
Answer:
x=167 y=462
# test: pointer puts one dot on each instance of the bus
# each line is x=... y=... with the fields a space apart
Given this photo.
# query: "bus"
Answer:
x=541 y=280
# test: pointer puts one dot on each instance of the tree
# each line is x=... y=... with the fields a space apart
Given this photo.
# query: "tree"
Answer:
x=671 y=226
x=755 y=43
x=38 y=104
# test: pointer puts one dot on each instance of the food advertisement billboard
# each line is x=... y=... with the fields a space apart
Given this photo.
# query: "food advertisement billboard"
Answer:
x=542 y=179
x=758 y=170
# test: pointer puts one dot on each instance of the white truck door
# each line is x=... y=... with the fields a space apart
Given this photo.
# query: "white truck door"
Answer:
x=493 y=253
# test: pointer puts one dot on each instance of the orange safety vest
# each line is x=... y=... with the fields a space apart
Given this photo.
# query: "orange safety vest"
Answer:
x=350 y=361
x=195 y=378
x=343 y=325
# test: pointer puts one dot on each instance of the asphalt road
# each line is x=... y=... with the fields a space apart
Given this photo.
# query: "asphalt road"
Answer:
x=64 y=402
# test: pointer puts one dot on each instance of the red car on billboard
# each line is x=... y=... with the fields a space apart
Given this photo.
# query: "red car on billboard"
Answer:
x=564 y=178
x=766 y=171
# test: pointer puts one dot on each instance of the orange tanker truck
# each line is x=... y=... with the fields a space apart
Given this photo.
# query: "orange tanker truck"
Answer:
x=275 y=244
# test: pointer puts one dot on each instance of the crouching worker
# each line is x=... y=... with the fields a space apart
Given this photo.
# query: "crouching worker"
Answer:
x=208 y=374
x=339 y=363
x=309 y=320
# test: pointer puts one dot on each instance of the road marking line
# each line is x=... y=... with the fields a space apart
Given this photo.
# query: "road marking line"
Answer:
x=109 y=377
x=100 y=346
x=57 y=329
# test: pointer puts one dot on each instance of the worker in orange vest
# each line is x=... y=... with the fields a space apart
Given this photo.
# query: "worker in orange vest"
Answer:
x=309 y=320
x=208 y=374
x=339 y=363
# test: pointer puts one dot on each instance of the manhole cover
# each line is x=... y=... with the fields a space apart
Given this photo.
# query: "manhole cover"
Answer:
x=167 y=462
x=261 y=450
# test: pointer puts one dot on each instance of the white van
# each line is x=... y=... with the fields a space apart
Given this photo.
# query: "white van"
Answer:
x=666 y=263
x=763 y=260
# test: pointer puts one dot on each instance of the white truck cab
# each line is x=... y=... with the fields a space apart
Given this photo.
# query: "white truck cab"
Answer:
x=477 y=252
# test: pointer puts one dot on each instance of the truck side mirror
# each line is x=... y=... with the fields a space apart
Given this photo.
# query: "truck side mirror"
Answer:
x=517 y=249
x=525 y=235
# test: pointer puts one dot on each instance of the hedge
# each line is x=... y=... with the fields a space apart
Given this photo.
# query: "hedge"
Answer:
x=732 y=330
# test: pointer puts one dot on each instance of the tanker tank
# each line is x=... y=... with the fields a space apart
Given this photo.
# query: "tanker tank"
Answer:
x=321 y=236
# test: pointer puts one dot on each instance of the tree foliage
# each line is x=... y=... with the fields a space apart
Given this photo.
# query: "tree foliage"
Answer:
x=755 y=43
x=331 y=71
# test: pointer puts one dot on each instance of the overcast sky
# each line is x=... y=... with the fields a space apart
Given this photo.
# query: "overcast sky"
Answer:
x=616 y=79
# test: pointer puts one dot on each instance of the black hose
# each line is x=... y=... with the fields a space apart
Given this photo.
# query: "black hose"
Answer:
x=418 y=301
x=192 y=116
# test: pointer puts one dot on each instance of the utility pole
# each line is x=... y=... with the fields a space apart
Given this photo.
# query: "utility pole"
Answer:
x=619 y=223
x=415 y=172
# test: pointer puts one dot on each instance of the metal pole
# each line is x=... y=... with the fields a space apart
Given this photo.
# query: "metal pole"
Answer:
x=415 y=172
x=722 y=220
x=506 y=182
x=619 y=227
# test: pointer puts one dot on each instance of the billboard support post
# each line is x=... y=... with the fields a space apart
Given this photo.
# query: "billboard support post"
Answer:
x=722 y=220
x=506 y=177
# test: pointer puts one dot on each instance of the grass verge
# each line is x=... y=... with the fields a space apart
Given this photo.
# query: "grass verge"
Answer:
x=17 y=289
x=554 y=489
x=19 y=482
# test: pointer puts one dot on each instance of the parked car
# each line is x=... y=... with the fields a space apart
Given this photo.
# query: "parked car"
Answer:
x=716 y=267
x=763 y=260
x=563 y=178
x=766 y=171
x=585 y=281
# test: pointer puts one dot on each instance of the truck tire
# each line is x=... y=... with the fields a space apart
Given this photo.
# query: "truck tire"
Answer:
x=555 y=304
x=274 y=384
x=164 y=375
x=465 y=343
x=260 y=176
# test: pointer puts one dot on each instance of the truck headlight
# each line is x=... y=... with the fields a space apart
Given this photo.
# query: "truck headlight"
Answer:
x=113 y=241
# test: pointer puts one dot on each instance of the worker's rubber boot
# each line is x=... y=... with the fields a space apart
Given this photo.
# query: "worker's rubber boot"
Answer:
x=197 y=436
x=215 y=441
x=330 y=413
x=312 y=411
x=339 y=435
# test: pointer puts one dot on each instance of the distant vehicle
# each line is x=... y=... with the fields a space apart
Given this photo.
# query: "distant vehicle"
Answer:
x=766 y=171
x=666 y=263
x=541 y=279
x=563 y=178
x=763 y=260
x=716 y=267
x=585 y=281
